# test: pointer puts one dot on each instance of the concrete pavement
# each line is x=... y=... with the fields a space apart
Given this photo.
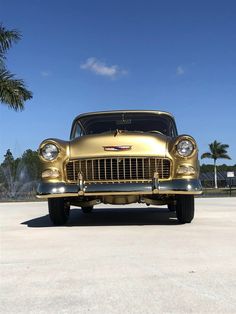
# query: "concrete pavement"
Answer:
x=123 y=259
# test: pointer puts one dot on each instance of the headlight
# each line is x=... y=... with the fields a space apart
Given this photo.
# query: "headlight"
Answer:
x=185 y=148
x=49 y=152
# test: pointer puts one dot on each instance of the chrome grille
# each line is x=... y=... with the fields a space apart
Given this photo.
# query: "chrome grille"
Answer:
x=119 y=169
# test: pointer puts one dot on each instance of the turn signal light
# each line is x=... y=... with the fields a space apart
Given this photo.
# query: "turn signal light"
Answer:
x=50 y=173
x=186 y=170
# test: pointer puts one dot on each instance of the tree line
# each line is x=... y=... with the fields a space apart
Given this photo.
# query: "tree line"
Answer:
x=205 y=168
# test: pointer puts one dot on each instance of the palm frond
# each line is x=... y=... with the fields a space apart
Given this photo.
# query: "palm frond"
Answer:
x=225 y=156
x=206 y=155
x=13 y=91
x=218 y=149
x=7 y=38
x=224 y=146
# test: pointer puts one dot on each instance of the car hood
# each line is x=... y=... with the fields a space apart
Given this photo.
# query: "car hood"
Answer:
x=121 y=144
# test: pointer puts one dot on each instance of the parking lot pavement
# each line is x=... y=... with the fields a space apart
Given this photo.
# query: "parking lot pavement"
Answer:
x=125 y=259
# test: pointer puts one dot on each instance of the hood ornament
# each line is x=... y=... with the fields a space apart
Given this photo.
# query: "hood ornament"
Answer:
x=117 y=148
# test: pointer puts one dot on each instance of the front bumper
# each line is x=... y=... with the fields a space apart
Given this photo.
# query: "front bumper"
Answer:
x=61 y=189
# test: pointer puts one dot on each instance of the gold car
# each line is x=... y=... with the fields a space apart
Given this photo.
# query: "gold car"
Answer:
x=120 y=157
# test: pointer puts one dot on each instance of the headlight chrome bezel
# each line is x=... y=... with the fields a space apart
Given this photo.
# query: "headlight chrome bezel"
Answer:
x=185 y=147
x=45 y=151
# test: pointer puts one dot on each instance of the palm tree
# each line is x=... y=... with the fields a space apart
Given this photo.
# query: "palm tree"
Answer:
x=12 y=91
x=217 y=151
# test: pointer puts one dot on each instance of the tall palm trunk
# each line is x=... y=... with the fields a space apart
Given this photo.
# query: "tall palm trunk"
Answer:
x=215 y=169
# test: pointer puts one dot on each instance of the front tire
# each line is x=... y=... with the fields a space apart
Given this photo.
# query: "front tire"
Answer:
x=59 y=211
x=185 y=208
x=87 y=210
x=171 y=207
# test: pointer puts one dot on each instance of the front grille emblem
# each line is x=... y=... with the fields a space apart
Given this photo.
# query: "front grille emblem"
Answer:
x=117 y=148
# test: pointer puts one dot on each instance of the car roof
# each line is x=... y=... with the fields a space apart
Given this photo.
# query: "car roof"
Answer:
x=157 y=112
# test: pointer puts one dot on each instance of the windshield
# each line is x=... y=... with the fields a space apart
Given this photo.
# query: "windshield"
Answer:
x=134 y=122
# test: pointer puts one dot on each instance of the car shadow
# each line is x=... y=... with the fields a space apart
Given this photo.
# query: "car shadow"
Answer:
x=111 y=217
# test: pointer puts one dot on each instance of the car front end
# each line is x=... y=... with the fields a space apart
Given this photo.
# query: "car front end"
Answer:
x=120 y=166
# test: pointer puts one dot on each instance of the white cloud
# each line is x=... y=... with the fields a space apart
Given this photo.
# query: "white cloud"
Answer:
x=101 y=68
x=45 y=73
x=180 y=70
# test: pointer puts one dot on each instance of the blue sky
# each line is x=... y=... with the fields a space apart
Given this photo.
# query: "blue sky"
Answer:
x=80 y=56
